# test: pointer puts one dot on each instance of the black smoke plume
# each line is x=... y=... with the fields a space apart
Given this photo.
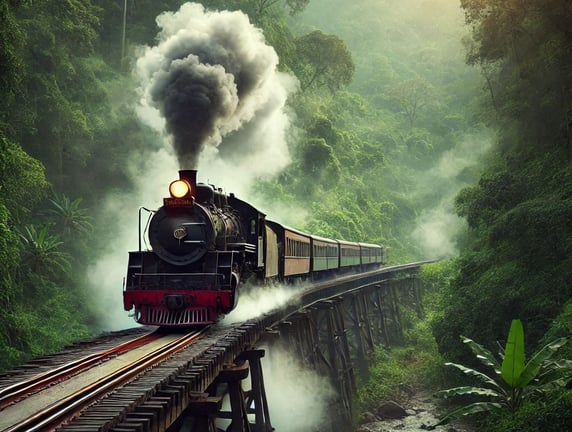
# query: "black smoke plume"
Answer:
x=211 y=75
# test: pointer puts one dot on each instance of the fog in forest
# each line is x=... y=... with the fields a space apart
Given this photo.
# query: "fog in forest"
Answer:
x=247 y=138
x=395 y=41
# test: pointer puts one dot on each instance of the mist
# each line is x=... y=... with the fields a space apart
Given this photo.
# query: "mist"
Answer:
x=438 y=226
x=298 y=398
x=151 y=173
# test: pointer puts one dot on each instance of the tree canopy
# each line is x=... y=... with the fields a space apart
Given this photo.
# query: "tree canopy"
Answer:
x=324 y=61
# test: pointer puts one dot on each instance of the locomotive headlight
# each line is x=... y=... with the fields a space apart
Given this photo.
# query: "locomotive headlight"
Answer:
x=179 y=189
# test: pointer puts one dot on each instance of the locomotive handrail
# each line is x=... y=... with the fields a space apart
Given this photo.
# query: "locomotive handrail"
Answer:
x=149 y=211
x=175 y=274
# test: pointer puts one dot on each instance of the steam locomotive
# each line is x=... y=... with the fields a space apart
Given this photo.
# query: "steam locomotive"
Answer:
x=206 y=244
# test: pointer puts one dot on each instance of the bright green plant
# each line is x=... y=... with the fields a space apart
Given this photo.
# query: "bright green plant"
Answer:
x=514 y=380
x=70 y=217
x=41 y=251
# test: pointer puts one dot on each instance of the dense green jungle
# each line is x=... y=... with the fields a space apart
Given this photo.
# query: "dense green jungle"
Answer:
x=439 y=128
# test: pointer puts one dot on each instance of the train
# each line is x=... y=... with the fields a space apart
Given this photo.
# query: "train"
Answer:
x=203 y=245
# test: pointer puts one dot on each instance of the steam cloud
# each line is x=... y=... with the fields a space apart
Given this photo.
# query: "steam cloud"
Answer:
x=437 y=227
x=255 y=301
x=214 y=81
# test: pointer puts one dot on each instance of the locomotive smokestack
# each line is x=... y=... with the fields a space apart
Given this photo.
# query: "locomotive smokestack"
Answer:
x=191 y=177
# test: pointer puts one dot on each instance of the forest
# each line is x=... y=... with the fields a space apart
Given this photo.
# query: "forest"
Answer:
x=440 y=129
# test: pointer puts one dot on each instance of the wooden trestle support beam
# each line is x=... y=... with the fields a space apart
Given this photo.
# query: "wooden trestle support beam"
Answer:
x=337 y=336
x=205 y=408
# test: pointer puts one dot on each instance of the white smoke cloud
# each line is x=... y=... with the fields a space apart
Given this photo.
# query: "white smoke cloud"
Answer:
x=255 y=301
x=437 y=227
x=298 y=398
x=152 y=174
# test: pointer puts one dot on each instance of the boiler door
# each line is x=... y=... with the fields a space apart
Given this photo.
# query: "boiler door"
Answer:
x=180 y=236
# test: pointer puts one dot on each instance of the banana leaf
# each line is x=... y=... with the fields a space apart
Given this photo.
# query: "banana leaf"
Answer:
x=467 y=390
x=483 y=354
x=536 y=363
x=473 y=408
x=483 y=377
x=513 y=362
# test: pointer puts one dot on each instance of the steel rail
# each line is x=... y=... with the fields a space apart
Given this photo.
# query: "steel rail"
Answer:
x=58 y=412
x=19 y=390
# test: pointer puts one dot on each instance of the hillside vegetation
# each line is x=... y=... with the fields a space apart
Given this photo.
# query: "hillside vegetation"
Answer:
x=439 y=130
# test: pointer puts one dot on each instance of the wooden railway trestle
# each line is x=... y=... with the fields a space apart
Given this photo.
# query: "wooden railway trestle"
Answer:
x=336 y=336
x=333 y=336
x=333 y=331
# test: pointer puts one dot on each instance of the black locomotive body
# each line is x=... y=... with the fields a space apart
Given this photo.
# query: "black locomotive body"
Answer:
x=204 y=244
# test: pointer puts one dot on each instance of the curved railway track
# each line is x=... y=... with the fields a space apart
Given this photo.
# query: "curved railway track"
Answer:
x=155 y=348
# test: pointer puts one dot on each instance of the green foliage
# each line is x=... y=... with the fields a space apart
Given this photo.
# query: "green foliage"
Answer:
x=70 y=218
x=41 y=253
x=9 y=252
x=22 y=180
x=387 y=379
x=318 y=159
x=324 y=61
x=551 y=414
x=513 y=380
x=12 y=67
x=297 y=6
x=517 y=258
x=410 y=97
x=523 y=46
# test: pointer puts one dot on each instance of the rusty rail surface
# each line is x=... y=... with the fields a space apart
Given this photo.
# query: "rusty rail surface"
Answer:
x=57 y=413
x=21 y=389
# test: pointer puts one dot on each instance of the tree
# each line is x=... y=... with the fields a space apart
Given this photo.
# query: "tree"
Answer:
x=324 y=61
x=410 y=97
x=58 y=38
x=69 y=216
x=297 y=6
x=514 y=380
x=22 y=181
x=527 y=44
x=11 y=66
x=318 y=161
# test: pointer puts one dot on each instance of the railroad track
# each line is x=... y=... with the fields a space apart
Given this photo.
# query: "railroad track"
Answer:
x=144 y=391
x=61 y=393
